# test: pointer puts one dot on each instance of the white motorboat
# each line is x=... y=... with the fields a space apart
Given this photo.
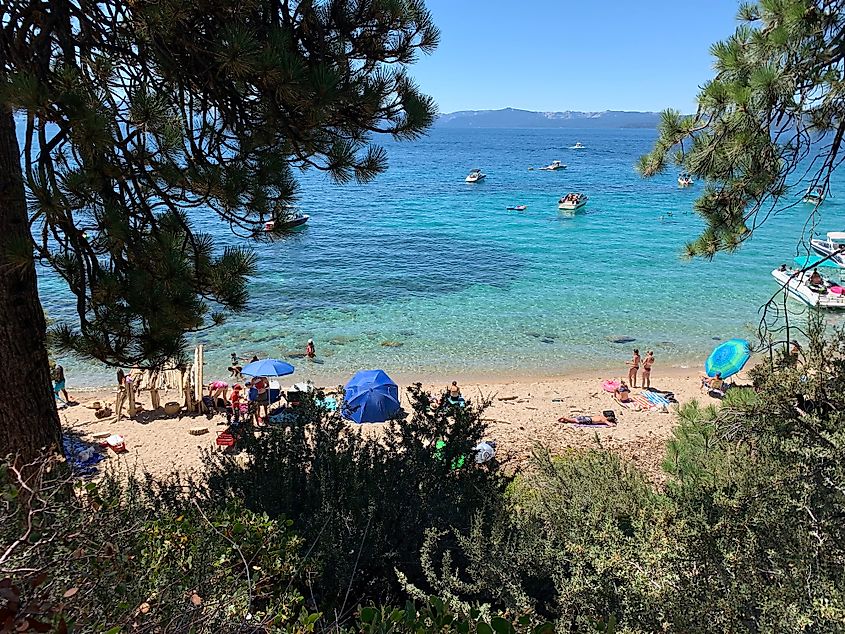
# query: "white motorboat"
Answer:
x=818 y=293
x=685 y=180
x=833 y=245
x=578 y=146
x=572 y=201
x=296 y=221
x=475 y=176
x=814 y=196
x=554 y=165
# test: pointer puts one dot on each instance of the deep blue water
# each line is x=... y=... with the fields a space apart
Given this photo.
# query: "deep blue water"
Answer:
x=421 y=259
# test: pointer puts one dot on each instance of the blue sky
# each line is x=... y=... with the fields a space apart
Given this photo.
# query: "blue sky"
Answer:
x=572 y=54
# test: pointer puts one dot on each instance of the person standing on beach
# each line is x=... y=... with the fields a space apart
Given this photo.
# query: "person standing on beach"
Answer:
x=635 y=366
x=59 y=383
x=647 y=363
x=310 y=350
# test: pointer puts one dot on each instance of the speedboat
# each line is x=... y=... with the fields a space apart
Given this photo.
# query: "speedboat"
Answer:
x=797 y=284
x=518 y=208
x=833 y=245
x=296 y=221
x=577 y=146
x=475 y=176
x=572 y=201
x=554 y=165
x=814 y=196
x=685 y=180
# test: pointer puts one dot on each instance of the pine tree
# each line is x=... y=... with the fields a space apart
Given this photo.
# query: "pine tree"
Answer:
x=134 y=116
x=773 y=116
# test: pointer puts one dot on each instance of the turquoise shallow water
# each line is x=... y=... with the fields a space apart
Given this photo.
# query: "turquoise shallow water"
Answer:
x=422 y=259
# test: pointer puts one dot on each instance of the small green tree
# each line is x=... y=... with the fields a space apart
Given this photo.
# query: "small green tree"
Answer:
x=134 y=117
x=773 y=115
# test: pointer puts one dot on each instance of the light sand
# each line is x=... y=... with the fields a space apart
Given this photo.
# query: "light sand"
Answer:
x=161 y=444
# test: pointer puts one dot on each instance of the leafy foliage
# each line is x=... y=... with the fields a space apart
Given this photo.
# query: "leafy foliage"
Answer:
x=137 y=117
x=774 y=111
x=365 y=501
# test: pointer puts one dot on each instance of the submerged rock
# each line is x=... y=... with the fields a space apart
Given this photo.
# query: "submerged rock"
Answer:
x=392 y=344
x=622 y=339
x=546 y=340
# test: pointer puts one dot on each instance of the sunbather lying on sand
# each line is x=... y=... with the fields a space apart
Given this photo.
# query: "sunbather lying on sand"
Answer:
x=595 y=419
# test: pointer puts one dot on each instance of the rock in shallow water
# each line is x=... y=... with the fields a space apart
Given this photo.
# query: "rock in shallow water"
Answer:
x=392 y=344
x=622 y=339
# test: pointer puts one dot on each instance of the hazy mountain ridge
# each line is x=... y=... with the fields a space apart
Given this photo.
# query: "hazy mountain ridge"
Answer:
x=516 y=118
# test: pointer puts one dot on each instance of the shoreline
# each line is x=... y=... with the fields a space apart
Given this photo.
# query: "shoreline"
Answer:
x=435 y=377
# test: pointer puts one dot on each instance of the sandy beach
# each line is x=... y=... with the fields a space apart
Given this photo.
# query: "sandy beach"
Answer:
x=523 y=414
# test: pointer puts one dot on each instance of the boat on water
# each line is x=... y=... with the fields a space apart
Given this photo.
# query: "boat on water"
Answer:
x=810 y=287
x=475 y=176
x=572 y=201
x=578 y=146
x=685 y=180
x=554 y=165
x=833 y=245
x=518 y=208
x=296 y=221
x=814 y=196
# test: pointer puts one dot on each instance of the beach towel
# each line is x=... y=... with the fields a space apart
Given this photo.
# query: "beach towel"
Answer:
x=81 y=456
x=656 y=399
x=642 y=401
x=632 y=405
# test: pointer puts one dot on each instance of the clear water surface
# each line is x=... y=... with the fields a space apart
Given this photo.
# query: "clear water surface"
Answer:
x=424 y=275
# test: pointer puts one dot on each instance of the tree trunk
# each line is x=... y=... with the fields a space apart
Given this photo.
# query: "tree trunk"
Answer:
x=29 y=422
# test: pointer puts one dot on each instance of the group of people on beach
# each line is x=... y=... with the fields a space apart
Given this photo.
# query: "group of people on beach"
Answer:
x=634 y=367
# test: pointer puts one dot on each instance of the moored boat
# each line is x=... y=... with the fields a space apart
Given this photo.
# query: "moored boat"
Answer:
x=554 y=165
x=518 y=208
x=810 y=287
x=475 y=176
x=814 y=196
x=295 y=222
x=833 y=245
x=572 y=201
x=578 y=146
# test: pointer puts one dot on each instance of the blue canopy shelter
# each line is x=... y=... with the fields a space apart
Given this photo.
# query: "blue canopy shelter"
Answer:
x=370 y=397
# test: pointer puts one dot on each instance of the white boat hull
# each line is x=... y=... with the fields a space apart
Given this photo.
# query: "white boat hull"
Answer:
x=823 y=248
x=793 y=284
x=474 y=179
x=571 y=206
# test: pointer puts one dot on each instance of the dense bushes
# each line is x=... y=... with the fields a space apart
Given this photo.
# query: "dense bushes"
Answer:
x=317 y=519
x=363 y=502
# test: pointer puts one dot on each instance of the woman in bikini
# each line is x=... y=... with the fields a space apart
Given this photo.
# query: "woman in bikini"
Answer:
x=635 y=366
x=647 y=363
x=622 y=393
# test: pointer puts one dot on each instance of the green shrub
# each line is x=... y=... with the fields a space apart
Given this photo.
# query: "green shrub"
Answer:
x=363 y=502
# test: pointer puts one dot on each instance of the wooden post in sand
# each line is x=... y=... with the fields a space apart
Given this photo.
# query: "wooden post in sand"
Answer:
x=155 y=398
x=185 y=384
x=197 y=378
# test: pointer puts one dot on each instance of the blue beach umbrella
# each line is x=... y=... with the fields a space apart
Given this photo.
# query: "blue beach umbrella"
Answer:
x=267 y=367
x=370 y=397
x=728 y=358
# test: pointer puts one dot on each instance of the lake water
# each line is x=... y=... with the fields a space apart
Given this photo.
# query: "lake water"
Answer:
x=422 y=274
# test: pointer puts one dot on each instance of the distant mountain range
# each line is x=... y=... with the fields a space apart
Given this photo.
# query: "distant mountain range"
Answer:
x=514 y=118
